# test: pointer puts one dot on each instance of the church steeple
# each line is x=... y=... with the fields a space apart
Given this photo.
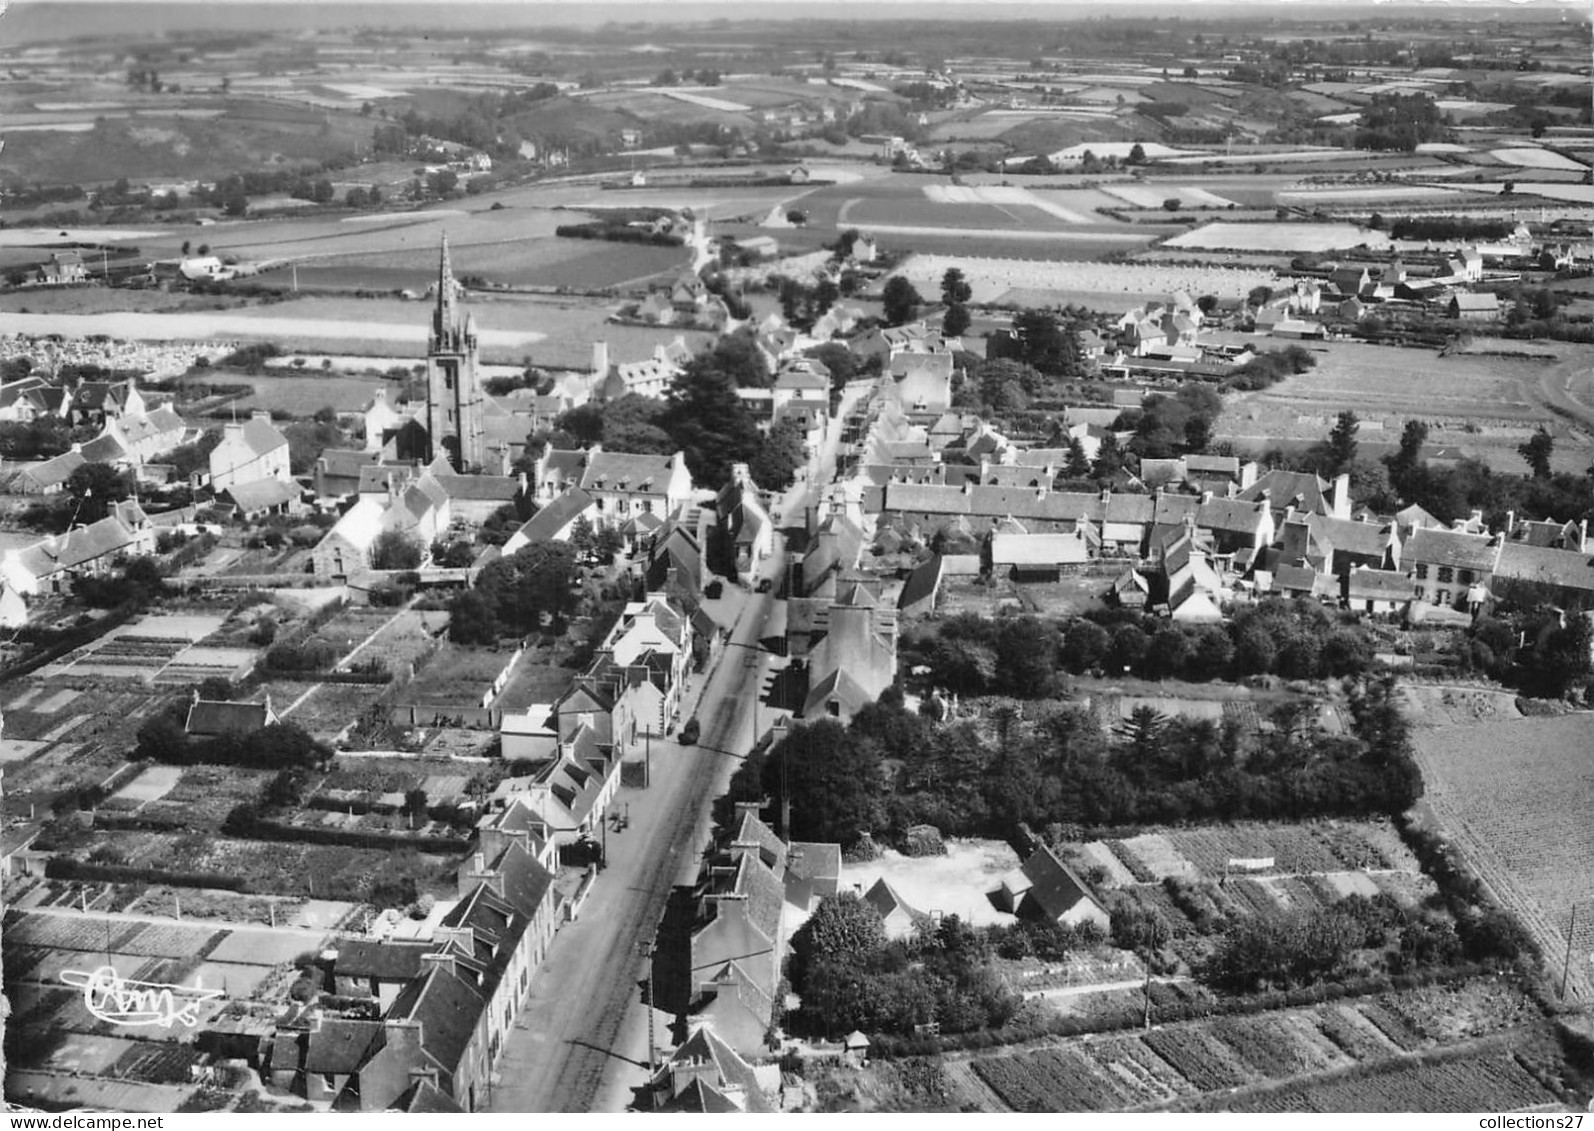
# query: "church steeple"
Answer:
x=445 y=320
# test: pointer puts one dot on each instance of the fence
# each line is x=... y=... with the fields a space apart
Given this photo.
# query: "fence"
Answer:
x=472 y=718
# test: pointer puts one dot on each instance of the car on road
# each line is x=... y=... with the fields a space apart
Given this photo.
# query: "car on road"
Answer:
x=689 y=733
x=765 y=584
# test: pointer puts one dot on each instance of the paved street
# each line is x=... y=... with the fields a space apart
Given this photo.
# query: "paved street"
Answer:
x=579 y=1034
x=582 y=1043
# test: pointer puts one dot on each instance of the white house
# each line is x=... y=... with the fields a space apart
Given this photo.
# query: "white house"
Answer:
x=249 y=450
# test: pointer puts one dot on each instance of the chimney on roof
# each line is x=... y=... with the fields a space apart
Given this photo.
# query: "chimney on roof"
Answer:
x=1582 y=536
x=1206 y=497
x=1510 y=523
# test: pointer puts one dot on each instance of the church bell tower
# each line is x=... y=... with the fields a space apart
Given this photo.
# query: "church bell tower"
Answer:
x=454 y=424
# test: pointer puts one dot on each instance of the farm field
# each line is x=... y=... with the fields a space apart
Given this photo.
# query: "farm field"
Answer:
x=1515 y=796
x=1479 y=406
x=1283 y=236
x=1488 y=1081
x=1536 y=159
x=1152 y=196
x=1196 y=1064
x=992 y=277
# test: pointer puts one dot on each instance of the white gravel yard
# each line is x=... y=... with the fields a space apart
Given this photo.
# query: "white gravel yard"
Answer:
x=954 y=884
x=1278 y=237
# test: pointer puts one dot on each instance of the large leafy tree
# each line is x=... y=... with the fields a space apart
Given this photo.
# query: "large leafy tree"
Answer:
x=778 y=458
x=96 y=487
x=709 y=422
x=900 y=300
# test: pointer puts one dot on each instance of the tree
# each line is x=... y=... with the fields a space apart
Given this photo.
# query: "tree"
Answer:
x=394 y=549
x=709 y=422
x=843 y=929
x=783 y=451
x=97 y=487
x=900 y=300
x=1536 y=451
x=1109 y=457
x=1137 y=155
x=1078 y=463
x=1341 y=449
x=955 y=289
x=955 y=322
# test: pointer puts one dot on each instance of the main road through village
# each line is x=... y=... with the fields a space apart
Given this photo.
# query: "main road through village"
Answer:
x=581 y=1042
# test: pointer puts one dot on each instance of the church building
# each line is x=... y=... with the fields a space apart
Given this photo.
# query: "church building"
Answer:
x=454 y=403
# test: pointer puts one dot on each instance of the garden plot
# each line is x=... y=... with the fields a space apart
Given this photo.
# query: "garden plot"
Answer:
x=1286 y=236
x=151 y=784
x=1536 y=159
x=1199 y=1063
x=1153 y=196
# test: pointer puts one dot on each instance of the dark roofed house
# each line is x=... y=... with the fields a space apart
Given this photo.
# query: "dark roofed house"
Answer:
x=705 y=1074
x=208 y=718
x=555 y=521
x=1567 y=574
x=1378 y=590
x=1484 y=307
x=1451 y=568
x=1051 y=889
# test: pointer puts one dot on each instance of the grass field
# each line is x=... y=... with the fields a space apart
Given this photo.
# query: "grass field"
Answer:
x=1482 y=406
x=1516 y=798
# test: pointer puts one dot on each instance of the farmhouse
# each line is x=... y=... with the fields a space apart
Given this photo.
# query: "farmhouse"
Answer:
x=92 y=551
x=1451 y=568
x=1378 y=590
x=32 y=398
x=1484 y=307
x=46 y=477
x=62 y=269
x=263 y=497
x=95 y=402
x=1048 y=888
x=901 y=919
x=211 y=718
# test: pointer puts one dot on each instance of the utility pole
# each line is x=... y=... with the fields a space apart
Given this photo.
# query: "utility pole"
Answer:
x=647 y=950
x=1566 y=967
x=647 y=759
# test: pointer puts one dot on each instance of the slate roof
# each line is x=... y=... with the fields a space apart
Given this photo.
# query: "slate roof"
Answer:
x=339 y=1045
x=1284 y=486
x=623 y=471
x=704 y=1047
x=104 y=449
x=1233 y=516
x=208 y=718
x=886 y=899
x=1450 y=548
x=1566 y=569
x=483 y=488
x=426 y=1099
x=261 y=494
x=754 y=833
x=76 y=547
x=1053 y=884
x=55 y=471
x=392 y=961
x=555 y=514
x=1378 y=585
x=1365 y=538
x=922 y=583
x=810 y=861
x=258 y=434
